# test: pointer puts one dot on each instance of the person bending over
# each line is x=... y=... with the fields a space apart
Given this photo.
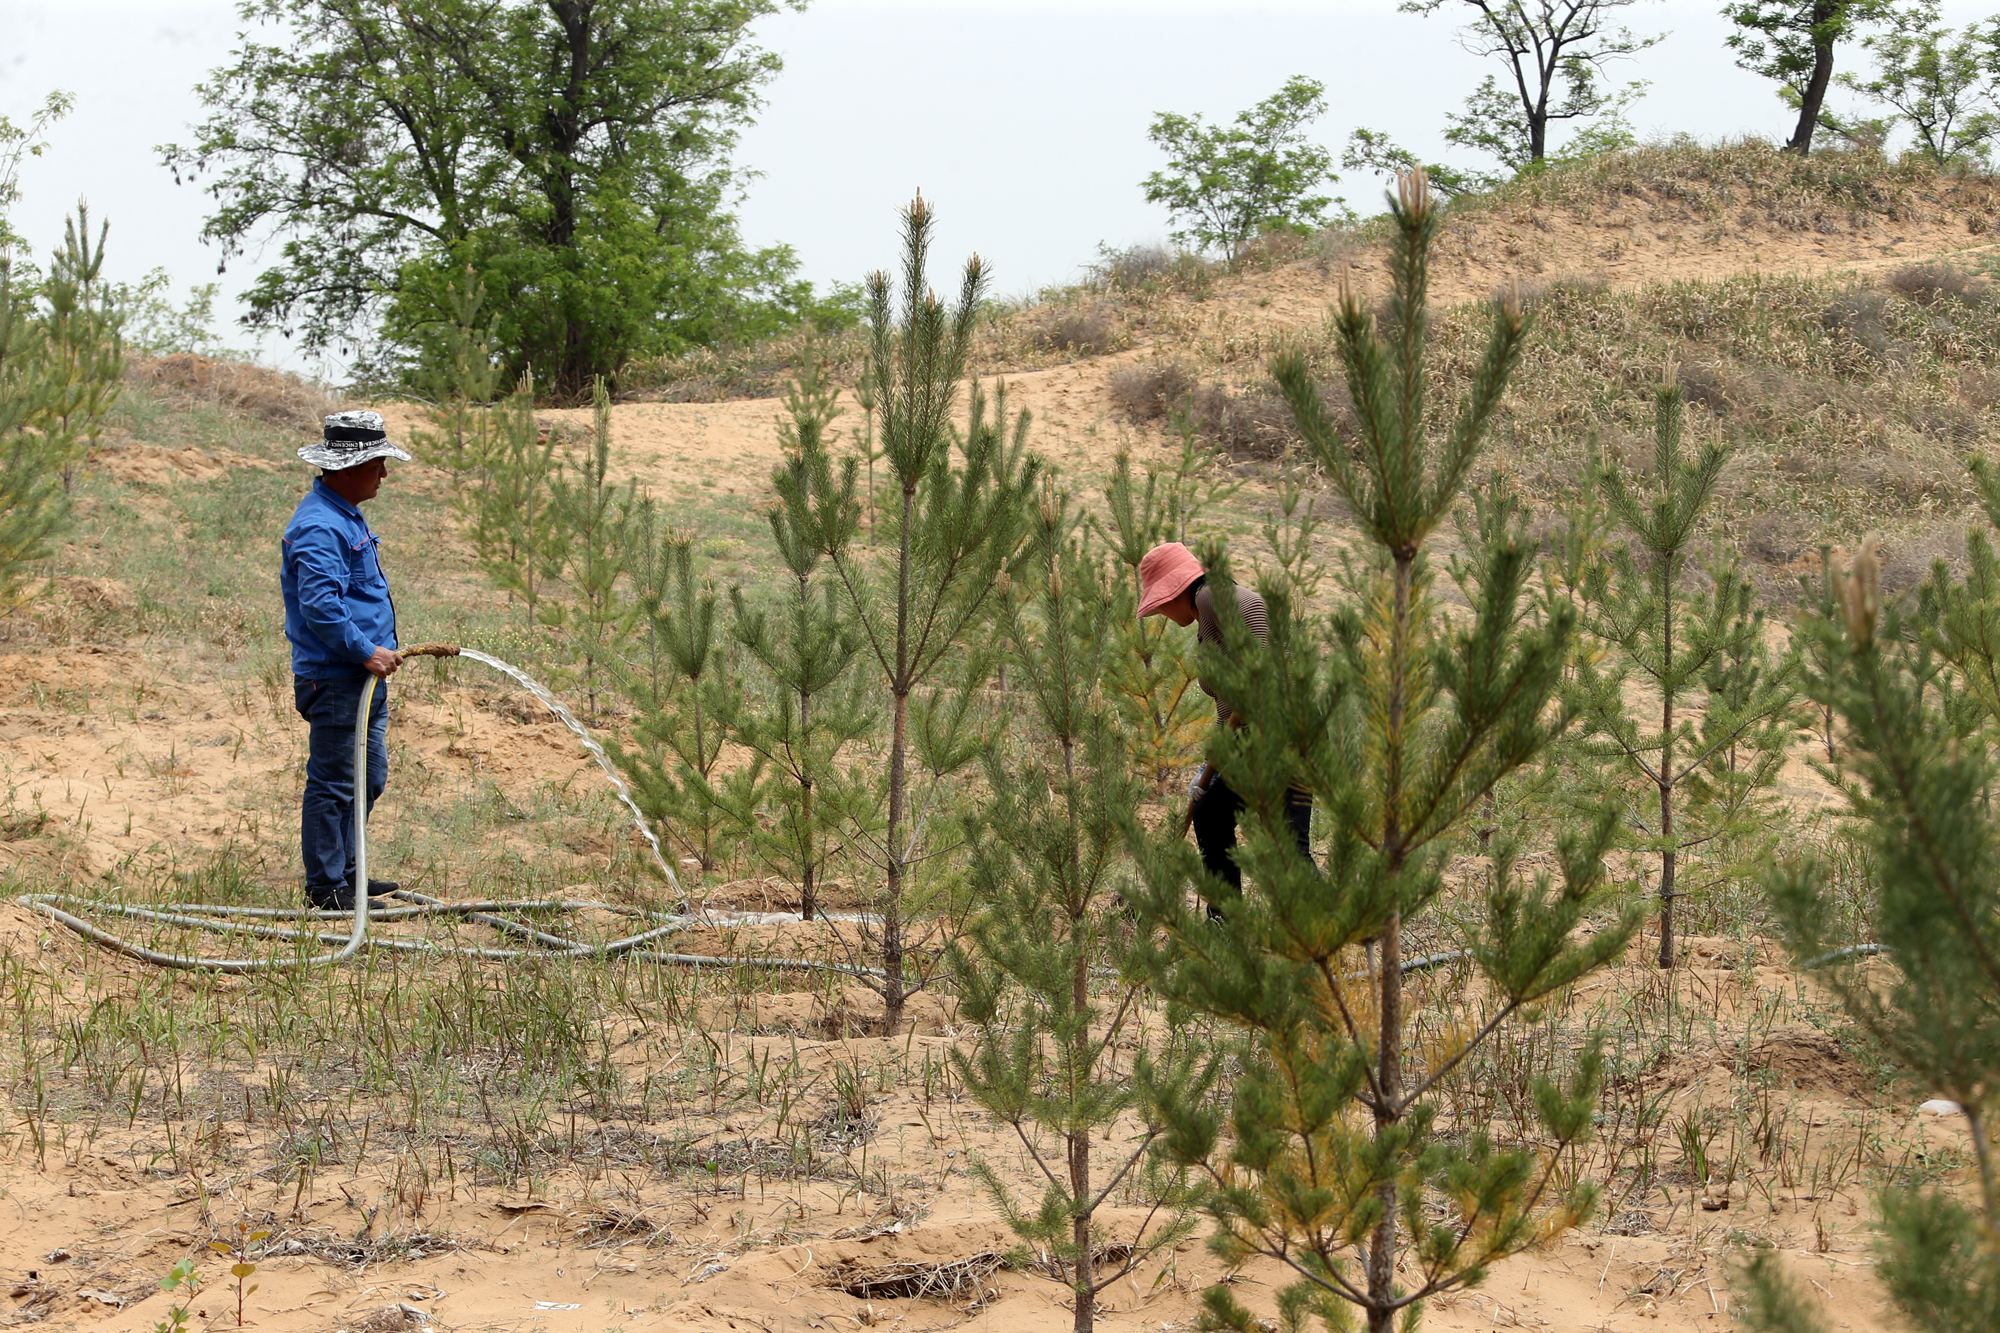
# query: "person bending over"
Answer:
x=342 y=625
x=1173 y=584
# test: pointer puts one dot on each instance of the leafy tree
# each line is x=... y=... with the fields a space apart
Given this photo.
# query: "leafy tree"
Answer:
x=1792 y=42
x=1914 y=693
x=155 y=326
x=1047 y=865
x=953 y=528
x=1336 y=1166
x=1373 y=150
x=1231 y=183
x=807 y=649
x=1940 y=83
x=1555 y=52
x=574 y=153
x=24 y=141
x=1684 y=646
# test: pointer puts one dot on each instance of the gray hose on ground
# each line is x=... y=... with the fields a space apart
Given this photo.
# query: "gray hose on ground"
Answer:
x=51 y=905
x=45 y=903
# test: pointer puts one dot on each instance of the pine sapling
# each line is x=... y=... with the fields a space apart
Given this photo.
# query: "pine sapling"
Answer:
x=1336 y=1166
x=1151 y=678
x=597 y=516
x=33 y=505
x=82 y=347
x=1048 y=865
x=954 y=525
x=806 y=648
x=513 y=521
x=460 y=380
x=1678 y=642
x=684 y=702
x=1917 y=768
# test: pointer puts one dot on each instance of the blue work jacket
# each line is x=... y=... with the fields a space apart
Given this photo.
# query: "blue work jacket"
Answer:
x=337 y=605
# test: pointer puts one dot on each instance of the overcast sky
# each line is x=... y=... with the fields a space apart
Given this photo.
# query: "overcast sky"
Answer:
x=1024 y=121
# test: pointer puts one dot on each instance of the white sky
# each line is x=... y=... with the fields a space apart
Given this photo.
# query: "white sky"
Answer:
x=1023 y=121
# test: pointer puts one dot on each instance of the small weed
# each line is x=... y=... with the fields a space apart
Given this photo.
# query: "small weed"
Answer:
x=184 y=1278
x=237 y=1250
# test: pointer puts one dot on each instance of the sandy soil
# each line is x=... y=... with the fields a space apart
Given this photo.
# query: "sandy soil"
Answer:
x=632 y=1247
x=125 y=760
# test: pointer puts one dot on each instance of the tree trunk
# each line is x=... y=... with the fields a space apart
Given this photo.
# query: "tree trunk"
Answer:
x=809 y=841
x=1667 y=859
x=1667 y=774
x=1815 y=90
x=1079 y=1140
x=1389 y=1070
x=1079 y=1187
x=892 y=908
x=701 y=758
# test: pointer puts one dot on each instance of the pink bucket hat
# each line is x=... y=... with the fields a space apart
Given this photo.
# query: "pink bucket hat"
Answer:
x=1164 y=574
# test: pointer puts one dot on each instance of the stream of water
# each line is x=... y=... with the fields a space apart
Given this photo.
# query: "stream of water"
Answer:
x=570 y=720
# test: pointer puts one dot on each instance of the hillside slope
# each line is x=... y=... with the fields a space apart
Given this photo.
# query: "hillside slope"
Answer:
x=1772 y=282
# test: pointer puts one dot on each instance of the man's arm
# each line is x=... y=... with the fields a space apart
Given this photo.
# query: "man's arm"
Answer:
x=319 y=561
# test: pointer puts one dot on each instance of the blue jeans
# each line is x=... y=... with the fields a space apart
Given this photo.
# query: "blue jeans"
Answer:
x=326 y=814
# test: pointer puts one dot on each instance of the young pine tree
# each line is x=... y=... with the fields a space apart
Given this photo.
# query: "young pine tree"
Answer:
x=461 y=378
x=1048 y=864
x=806 y=649
x=597 y=517
x=511 y=516
x=81 y=348
x=33 y=505
x=684 y=694
x=1691 y=648
x=1918 y=774
x=1335 y=1165
x=952 y=526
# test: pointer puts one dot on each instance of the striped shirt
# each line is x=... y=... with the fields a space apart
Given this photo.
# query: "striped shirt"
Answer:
x=1208 y=629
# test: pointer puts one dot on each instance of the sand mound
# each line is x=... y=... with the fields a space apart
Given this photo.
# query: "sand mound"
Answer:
x=1795 y=1056
x=1798 y=1056
x=150 y=465
x=29 y=678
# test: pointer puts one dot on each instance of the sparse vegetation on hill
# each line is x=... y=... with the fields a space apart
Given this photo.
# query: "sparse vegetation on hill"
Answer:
x=603 y=1119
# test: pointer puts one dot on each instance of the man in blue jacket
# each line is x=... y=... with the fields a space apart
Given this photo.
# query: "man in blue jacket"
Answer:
x=342 y=625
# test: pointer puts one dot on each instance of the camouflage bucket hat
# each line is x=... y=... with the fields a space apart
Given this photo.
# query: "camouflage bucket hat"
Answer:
x=350 y=439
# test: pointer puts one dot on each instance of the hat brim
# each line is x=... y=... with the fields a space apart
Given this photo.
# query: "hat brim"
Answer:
x=1167 y=592
x=329 y=459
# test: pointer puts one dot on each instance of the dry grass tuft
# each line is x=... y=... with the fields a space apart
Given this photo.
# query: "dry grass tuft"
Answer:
x=1927 y=284
x=259 y=392
x=957 y=1280
x=1249 y=424
x=1091 y=329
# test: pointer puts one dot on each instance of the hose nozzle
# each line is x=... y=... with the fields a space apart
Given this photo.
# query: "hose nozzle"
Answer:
x=430 y=650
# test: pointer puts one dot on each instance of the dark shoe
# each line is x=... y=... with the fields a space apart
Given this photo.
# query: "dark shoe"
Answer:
x=330 y=897
x=340 y=897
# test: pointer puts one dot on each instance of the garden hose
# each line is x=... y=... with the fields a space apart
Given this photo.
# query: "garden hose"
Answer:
x=234 y=920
